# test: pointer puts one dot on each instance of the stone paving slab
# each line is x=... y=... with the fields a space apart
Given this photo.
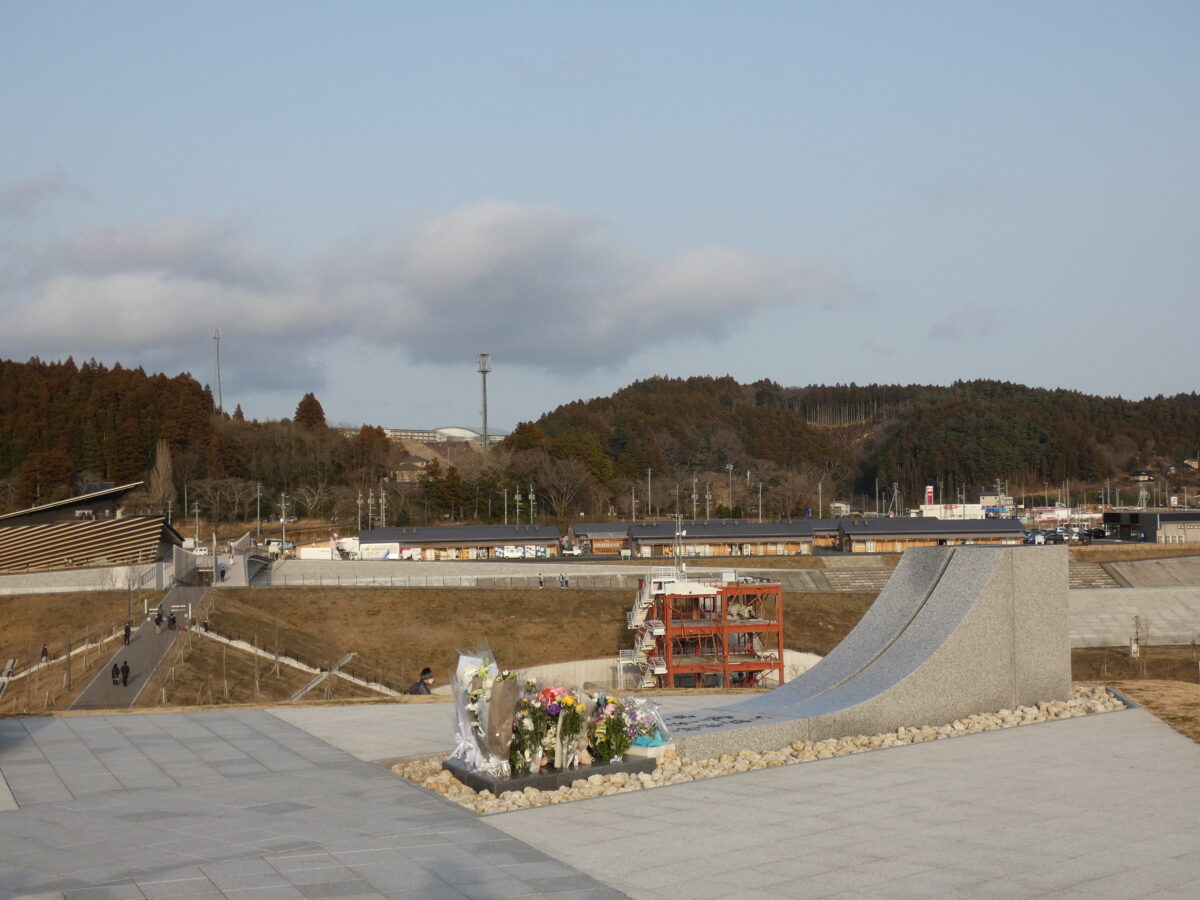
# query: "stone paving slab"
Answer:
x=1104 y=617
x=292 y=817
x=1098 y=806
x=1102 y=806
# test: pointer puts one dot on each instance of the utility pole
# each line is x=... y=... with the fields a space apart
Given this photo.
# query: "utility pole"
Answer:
x=649 y=508
x=197 y=511
x=370 y=507
x=695 y=496
x=633 y=502
x=707 y=500
x=729 y=468
x=532 y=504
x=217 y=366
x=283 y=520
x=485 y=366
x=359 y=501
x=506 y=506
x=382 y=506
x=258 y=512
x=760 y=503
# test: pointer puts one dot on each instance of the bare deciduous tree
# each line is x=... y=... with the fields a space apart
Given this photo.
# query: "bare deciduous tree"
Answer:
x=314 y=497
x=564 y=483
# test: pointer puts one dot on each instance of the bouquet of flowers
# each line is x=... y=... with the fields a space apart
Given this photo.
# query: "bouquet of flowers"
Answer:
x=531 y=724
x=566 y=717
x=649 y=730
x=610 y=730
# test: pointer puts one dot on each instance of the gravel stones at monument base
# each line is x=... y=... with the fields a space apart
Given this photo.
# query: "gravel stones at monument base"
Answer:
x=675 y=770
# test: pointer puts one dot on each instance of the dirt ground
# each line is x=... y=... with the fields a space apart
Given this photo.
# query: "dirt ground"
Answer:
x=48 y=687
x=1165 y=680
x=31 y=620
x=1103 y=664
x=203 y=672
x=82 y=618
x=395 y=633
x=1124 y=552
x=1176 y=703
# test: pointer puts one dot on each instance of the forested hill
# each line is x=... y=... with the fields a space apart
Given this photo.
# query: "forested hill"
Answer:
x=63 y=424
x=967 y=434
x=69 y=419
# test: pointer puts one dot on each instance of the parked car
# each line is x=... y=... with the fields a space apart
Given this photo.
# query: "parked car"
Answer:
x=1098 y=533
x=1055 y=537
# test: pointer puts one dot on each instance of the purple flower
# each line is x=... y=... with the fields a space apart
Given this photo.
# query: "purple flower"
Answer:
x=553 y=708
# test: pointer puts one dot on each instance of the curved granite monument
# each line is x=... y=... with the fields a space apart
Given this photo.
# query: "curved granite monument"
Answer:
x=956 y=631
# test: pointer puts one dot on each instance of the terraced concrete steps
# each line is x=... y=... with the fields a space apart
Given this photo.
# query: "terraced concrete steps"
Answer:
x=1086 y=575
x=862 y=579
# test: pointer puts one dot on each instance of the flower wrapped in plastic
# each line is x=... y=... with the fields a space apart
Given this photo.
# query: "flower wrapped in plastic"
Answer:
x=531 y=723
x=649 y=730
x=610 y=731
x=476 y=717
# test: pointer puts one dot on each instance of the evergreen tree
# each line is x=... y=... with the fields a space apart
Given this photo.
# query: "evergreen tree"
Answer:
x=309 y=413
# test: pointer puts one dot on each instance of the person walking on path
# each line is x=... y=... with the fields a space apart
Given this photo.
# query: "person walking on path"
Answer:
x=541 y=581
x=128 y=632
x=423 y=685
x=116 y=673
x=45 y=654
x=125 y=673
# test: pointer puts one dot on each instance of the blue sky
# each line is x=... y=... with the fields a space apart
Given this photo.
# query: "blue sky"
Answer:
x=364 y=195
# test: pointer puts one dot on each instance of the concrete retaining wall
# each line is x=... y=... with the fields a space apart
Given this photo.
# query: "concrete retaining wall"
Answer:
x=112 y=578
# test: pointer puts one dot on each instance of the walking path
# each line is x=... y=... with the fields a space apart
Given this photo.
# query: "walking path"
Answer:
x=244 y=804
x=145 y=651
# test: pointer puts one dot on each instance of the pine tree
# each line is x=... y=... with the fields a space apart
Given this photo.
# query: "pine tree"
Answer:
x=309 y=413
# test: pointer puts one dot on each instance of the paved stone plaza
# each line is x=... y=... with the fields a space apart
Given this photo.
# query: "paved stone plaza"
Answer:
x=266 y=804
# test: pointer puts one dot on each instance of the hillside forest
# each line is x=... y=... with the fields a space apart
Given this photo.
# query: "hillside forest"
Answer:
x=708 y=444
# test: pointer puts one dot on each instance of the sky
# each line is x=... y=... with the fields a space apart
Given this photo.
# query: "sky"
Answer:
x=362 y=196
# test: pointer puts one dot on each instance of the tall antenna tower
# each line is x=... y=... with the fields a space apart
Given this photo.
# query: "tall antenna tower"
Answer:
x=217 y=366
x=485 y=366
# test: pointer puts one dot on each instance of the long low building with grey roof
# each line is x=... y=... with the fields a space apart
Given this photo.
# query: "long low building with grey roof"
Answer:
x=460 y=542
x=898 y=535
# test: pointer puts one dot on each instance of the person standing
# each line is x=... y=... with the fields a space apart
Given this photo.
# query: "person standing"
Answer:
x=45 y=654
x=125 y=673
x=116 y=673
x=128 y=632
x=425 y=684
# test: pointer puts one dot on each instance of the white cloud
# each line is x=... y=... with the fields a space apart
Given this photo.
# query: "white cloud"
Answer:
x=536 y=286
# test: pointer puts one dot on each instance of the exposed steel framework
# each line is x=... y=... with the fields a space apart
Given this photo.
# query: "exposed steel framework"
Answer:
x=707 y=631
